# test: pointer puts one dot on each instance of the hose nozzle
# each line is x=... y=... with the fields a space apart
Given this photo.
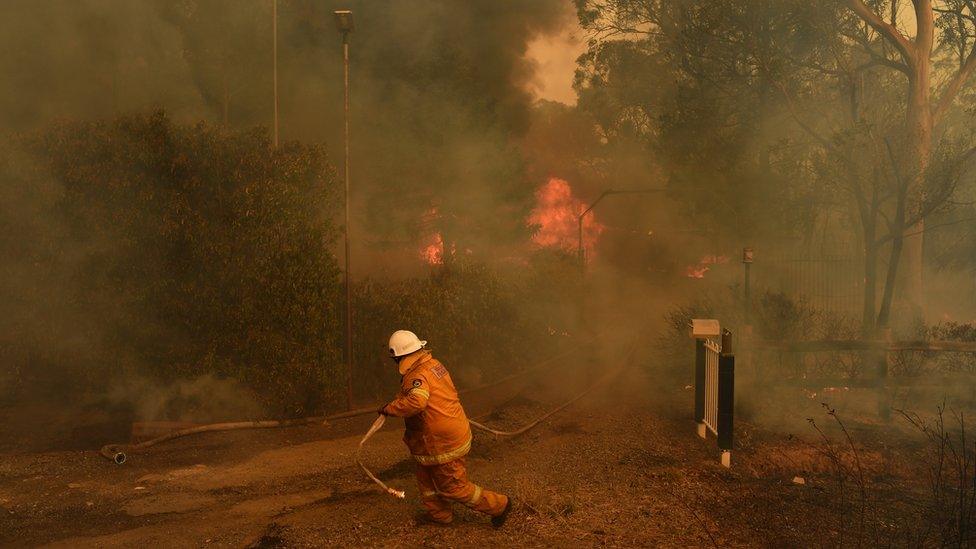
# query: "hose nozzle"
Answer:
x=113 y=453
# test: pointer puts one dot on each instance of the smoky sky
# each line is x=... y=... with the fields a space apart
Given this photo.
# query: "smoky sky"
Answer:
x=438 y=89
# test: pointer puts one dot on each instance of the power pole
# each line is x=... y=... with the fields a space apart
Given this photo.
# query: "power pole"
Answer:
x=345 y=26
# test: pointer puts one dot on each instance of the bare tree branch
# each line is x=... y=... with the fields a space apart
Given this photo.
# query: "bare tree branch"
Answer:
x=884 y=61
x=901 y=43
x=946 y=224
x=952 y=90
x=955 y=12
x=879 y=58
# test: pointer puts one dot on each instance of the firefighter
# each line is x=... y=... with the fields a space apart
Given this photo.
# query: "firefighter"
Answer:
x=437 y=434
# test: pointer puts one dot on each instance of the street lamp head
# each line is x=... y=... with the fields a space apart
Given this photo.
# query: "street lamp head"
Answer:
x=343 y=19
x=747 y=255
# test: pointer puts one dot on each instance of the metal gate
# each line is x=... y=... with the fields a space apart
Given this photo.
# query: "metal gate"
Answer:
x=827 y=283
x=714 y=386
x=712 y=353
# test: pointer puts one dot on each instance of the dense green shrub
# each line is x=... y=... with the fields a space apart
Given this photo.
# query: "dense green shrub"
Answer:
x=138 y=246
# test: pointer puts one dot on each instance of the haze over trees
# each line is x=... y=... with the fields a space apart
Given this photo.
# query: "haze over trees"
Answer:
x=834 y=123
x=792 y=126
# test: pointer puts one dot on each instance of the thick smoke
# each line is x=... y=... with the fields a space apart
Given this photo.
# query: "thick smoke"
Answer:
x=90 y=58
x=439 y=101
x=439 y=89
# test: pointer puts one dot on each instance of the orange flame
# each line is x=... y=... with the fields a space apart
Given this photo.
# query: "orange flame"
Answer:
x=699 y=270
x=433 y=252
x=432 y=245
x=556 y=213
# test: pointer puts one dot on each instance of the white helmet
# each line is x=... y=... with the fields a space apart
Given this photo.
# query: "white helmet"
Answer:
x=404 y=342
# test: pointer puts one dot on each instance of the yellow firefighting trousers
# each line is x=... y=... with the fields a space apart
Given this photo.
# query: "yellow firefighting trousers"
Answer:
x=448 y=482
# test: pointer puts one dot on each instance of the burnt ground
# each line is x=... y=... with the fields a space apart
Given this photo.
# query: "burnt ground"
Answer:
x=621 y=467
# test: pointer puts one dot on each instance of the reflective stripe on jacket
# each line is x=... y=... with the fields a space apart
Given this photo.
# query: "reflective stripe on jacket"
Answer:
x=437 y=430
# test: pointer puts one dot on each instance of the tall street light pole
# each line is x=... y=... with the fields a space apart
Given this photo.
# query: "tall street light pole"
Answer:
x=344 y=23
x=274 y=47
x=579 y=245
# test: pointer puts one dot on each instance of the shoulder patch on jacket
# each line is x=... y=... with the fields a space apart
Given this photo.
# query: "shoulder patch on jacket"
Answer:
x=439 y=371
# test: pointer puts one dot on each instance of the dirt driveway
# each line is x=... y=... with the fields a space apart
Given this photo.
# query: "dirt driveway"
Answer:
x=621 y=467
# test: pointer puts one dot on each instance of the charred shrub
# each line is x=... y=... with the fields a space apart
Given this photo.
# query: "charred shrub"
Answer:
x=675 y=342
x=780 y=317
x=776 y=317
x=954 y=331
x=949 y=510
x=917 y=363
x=869 y=508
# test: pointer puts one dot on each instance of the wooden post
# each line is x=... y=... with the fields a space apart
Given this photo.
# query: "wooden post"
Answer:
x=726 y=398
x=881 y=382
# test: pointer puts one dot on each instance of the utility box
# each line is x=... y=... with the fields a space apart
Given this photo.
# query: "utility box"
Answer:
x=702 y=328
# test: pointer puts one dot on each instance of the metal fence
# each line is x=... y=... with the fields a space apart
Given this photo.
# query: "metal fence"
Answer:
x=715 y=390
x=827 y=283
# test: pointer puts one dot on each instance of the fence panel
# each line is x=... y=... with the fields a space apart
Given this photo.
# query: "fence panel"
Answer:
x=712 y=351
x=715 y=390
x=827 y=283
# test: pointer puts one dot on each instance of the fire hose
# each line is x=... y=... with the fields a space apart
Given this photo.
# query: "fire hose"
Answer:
x=380 y=420
x=119 y=452
x=525 y=428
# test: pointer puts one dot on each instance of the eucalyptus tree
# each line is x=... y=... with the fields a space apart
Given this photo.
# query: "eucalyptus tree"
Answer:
x=699 y=83
x=790 y=113
x=943 y=29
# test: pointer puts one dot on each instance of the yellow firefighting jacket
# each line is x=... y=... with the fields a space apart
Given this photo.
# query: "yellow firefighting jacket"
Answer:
x=437 y=430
